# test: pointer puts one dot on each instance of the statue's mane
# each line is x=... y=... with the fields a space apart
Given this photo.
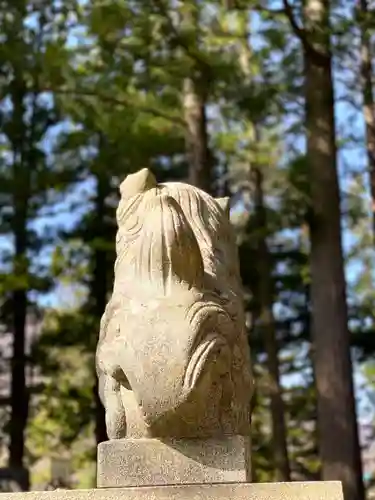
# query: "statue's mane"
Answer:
x=176 y=233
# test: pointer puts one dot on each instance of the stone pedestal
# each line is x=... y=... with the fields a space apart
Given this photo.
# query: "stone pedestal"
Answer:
x=244 y=491
x=154 y=462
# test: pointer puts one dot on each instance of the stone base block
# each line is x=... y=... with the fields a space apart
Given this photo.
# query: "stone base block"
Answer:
x=244 y=491
x=145 y=462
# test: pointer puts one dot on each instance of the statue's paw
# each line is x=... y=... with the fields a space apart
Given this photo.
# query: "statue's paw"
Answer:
x=115 y=417
x=116 y=424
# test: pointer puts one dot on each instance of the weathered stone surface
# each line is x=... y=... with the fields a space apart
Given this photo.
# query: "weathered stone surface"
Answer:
x=146 y=462
x=173 y=357
x=271 y=491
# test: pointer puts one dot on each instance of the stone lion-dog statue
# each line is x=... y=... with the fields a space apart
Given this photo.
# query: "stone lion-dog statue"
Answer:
x=173 y=357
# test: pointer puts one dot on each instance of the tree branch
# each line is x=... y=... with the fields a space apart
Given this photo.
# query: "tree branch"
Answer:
x=319 y=57
x=300 y=32
x=113 y=100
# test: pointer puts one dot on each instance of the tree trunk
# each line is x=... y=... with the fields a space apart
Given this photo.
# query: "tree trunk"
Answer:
x=99 y=284
x=368 y=97
x=197 y=149
x=21 y=192
x=100 y=425
x=195 y=90
x=19 y=396
x=265 y=292
x=266 y=322
x=337 y=426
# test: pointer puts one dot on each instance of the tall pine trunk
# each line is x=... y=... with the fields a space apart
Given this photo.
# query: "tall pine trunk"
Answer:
x=25 y=121
x=265 y=290
x=99 y=289
x=102 y=232
x=197 y=149
x=266 y=322
x=337 y=425
x=194 y=97
x=364 y=18
x=19 y=396
x=21 y=193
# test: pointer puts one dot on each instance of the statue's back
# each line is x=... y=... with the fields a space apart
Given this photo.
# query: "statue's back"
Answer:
x=173 y=353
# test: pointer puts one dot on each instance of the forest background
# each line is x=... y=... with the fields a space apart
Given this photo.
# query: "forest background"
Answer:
x=270 y=103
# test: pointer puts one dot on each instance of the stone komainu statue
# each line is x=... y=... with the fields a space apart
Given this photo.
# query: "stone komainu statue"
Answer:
x=172 y=357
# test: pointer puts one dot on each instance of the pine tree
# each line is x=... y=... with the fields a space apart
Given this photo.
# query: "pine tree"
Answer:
x=364 y=21
x=338 y=441
x=28 y=182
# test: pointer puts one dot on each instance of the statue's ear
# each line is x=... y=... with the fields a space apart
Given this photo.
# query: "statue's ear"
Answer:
x=137 y=183
x=224 y=204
